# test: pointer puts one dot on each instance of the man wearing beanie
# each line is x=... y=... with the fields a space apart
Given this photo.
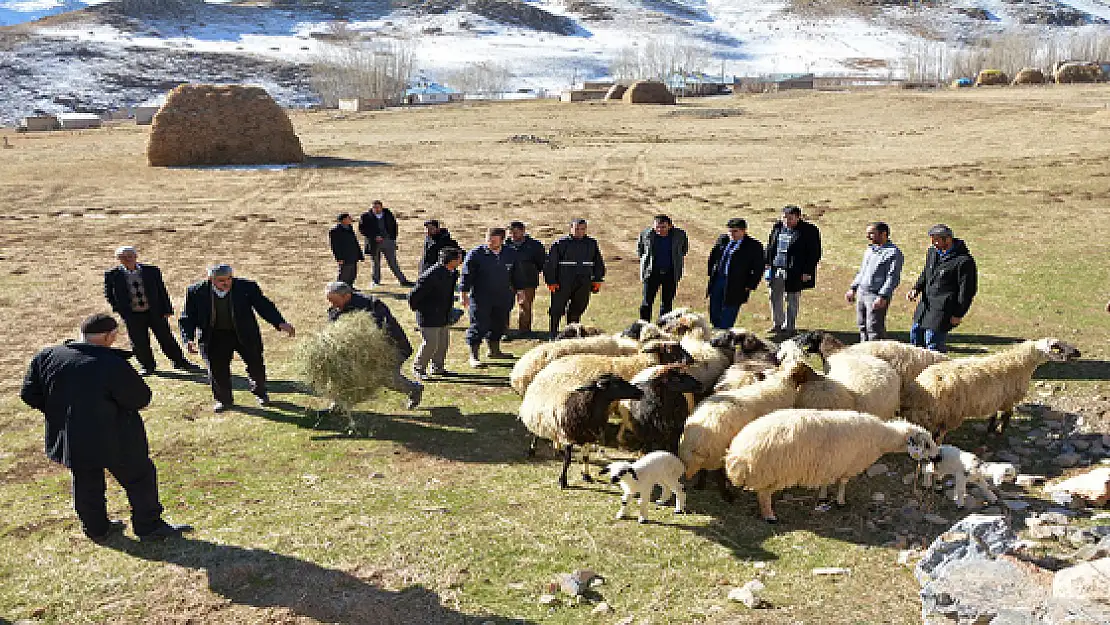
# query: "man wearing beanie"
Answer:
x=91 y=399
x=219 y=318
x=735 y=266
x=946 y=287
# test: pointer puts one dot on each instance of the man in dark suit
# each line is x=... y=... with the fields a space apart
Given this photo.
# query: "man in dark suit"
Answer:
x=379 y=226
x=735 y=265
x=91 y=398
x=433 y=299
x=345 y=248
x=219 y=317
x=138 y=294
x=436 y=238
x=793 y=251
x=574 y=270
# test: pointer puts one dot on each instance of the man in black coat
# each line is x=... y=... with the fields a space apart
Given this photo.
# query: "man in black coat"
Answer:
x=574 y=269
x=793 y=251
x=436 y=238
x=91 y=399
x=487 y=294
x=531 y=257
x=433 y=299
x=344 y=300
x=345 y=248
x=735 y=266
x=947 y=285
x=138 y=294
x=219 y=317
x=379 y=226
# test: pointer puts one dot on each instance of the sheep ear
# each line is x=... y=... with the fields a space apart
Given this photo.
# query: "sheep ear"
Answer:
x=587 y=387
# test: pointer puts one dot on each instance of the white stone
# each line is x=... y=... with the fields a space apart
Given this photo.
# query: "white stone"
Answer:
x=831 y=570
x=748 y=594
x=878 y=497
x=602 y=608
x=1094 y=486
x=904 y=557
x=1084 y=581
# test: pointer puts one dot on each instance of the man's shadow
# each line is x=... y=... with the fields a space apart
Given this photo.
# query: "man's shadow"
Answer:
x=264 y=579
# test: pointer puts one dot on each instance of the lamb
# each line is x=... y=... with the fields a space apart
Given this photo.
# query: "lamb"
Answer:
x=815 y=448
x=640 y=477
x=964 y=467
x=535 y=359
x=853 y=382
x=946 y=393
x=570 y=414
x=753 y=359
x=656 y=420
x=578 y=331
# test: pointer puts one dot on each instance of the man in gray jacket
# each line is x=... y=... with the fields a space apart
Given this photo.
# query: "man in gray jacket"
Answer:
x=661 y=249
x=875 y=282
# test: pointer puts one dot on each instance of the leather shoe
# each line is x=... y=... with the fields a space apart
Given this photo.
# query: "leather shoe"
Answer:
x=187 y=366
x=164 y=531
x=414 y=398
x=114 y=527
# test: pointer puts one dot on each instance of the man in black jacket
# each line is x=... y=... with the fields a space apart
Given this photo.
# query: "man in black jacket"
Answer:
x=947 y=285
x=735 y=265
x=219 y=317
x=531 y=257
x=436 y=238
x=344 y=300
x=138 y=294
x=793 y=250
x=433 y=299
x=91 y=399
x=345 y=248
x=379 y=226
x=574 y=269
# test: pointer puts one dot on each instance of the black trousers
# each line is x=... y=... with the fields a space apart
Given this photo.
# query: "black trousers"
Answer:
x=651 y=286
x=217 y=353
x=139 y=479
x=488 y=321
x=139 y=327
x=348 y=271
x=571 y=300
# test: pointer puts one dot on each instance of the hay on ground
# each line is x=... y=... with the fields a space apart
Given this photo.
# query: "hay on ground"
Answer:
x=990 y=77
x=1029 y=76
x=348 y=361
x=1078 y=72
x=616 y=92
x=648 y=92
x=222 y=125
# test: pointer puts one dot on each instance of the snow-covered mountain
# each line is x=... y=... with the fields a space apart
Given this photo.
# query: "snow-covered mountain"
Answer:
x=58 y=55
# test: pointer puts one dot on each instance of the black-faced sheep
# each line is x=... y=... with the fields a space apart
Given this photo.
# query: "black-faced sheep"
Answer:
x=535 y=359
x=656 y=420
x=946 y=393
x=816 y=448
x=644 y=331
x=753 y=359
x=640 y=477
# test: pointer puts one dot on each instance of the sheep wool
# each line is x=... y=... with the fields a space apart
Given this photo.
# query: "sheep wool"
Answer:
x=815 y=448
x=964 y=467
x=640 y=477
x=533 y=361
x=908 y=360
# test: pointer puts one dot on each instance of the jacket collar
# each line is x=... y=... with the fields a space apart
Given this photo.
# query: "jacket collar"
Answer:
x=89 y=348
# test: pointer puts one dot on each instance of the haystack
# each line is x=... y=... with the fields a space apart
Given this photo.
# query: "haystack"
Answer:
x=990 y=77
x=1029 y=76
x=648 y=92
x=348 y=361
x=616 y=92
x=222 y=125
x=1078 y=71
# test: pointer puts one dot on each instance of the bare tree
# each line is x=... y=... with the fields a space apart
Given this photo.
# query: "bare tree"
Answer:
x=351 y=67
x=481 y=78
x=658 y=58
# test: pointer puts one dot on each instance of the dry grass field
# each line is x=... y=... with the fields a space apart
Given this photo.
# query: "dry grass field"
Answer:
x=435 y=515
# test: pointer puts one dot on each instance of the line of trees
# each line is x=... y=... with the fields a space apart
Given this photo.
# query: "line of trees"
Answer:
x=351 y=65
x=946 y=61
x=658 y=58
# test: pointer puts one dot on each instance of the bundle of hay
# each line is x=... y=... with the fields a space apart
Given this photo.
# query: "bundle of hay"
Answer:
x=348 y=361
x=1077 y=71
x=616 y=92
x=222 y=125
x=1029 y=76
x=648 y=92
x=990 y=77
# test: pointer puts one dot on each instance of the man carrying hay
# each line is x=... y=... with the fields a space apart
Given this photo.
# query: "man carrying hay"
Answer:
x=487 y=293
x=793 y=251
x=573 y=271
x=219 y=317
x=433 y=300
x=345 y=248
x=344 y=299
x=947 y=284
x=379 y=226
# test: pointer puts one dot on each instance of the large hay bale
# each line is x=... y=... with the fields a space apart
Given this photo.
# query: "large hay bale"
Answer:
x=1078 y=72
x=616 y=92
x=222 y=125
x=348 y=361
x=1029 y=76
x=648 y=92
x=990 y=77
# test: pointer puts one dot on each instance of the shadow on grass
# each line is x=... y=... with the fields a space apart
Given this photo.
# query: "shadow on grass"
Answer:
x=264 y=579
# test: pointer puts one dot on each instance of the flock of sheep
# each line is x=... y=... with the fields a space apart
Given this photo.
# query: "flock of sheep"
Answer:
x=759 y=414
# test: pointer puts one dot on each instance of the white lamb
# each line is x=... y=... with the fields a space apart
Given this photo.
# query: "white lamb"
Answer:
x=535 y=359
x=964 y=467
x=640 y=477
x=815 y=448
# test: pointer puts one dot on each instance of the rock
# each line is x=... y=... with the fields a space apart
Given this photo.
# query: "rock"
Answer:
x=1084 y=581
x=577 y=582
x=1080 y=444
x=985 y=591
x=1067 y=459
x=1094 y=552
x=748 y=594
x=515 y=586
x=628 y=620
x=602 y=608
x=831 y=570
x=377 y=475
x=976 y=537
x=1047 y=532
x=904 y=557
x=1085 y=536
x=936 y=519
x=876 y=469
x=907 y=479
x=1015 y=505
x=1093 y=486
x=1030 y=480
x=878 y=497
x=548 y=599
x=1055 y=518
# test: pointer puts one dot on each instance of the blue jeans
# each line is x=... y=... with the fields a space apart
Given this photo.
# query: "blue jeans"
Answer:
x=935 y=340
x=721 y=316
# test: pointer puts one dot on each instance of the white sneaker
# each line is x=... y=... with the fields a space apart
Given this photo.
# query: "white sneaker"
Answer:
x=477 y=364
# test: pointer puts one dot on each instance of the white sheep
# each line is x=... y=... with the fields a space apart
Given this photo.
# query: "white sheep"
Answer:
x=852 y=382
x=999 y=472
x=946 y=393
x=815 y=448
x=535 y=359
x=964 y=467
x=682 y=321
x=640 y=477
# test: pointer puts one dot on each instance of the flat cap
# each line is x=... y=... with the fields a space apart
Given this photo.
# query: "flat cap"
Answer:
x=98 y=323
x=126 y=249
x=736 y=222
x=222 y=269
x=940 y=230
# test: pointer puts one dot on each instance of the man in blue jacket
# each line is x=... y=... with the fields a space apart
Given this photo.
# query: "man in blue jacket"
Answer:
x=662 y=250
x=433 y=299
x=487 y=292
x=874 y=284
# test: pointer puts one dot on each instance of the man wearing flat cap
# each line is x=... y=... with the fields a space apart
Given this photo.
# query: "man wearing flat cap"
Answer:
x=219 y=318
x=137 y=293
x=735 y=266
x=946 y=287
x=345 y=248
x=91 y=398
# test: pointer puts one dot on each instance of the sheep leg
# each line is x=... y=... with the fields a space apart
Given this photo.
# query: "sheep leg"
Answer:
x=726 y=490
x=644 y=499
x=700 y=483
x=1006 y=414
x=985 y=486
x=624 y=505
x=823 y=493
x=586 y=477
x=959 y=487
x=765 y=509
x=567 y=455
x=990 y=423
x=679 y=499
x=664 y=495
x=531 y=451
x=840 y=503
